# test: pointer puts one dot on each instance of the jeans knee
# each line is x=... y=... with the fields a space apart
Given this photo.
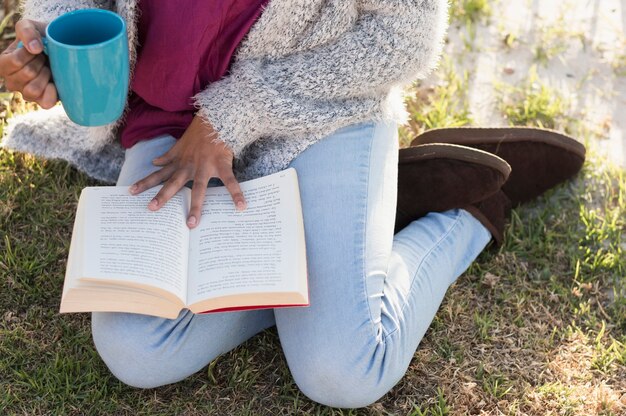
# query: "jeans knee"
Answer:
x=124 y=344
x=341 y=384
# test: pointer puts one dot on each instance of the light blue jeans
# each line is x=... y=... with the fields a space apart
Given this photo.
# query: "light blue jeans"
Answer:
x=372 y=294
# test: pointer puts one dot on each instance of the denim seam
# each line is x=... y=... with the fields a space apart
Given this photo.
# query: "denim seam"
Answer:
x=365 y=240
x=453 y=226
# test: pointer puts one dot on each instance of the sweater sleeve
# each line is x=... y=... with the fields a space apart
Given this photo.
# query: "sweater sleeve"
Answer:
x=392 y=43
x=48 y=10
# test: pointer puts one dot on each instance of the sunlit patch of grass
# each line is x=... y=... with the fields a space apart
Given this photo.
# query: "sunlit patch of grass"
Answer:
x=12 y=103
x=600 y=248
x=554 y=40
x=473 y=11
x=534 y=103
x=586 y=356
x=560 y=395
x=468 y=15
x=619 y=65
x=445 y=104
x=606 y=355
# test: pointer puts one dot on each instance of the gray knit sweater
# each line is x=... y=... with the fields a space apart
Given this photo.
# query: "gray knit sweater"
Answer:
x=306 y=68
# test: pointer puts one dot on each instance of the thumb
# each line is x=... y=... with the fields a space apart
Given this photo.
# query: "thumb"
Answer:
x=29 y=32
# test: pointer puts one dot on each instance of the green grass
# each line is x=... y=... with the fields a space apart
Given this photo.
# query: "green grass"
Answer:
x=443 y=105
x=470 y=11
x=561 y=257
x=556 y=39
x=536 y=327
x=619 y=65
x=534 y=103
x=439 y=408
x=468 y=14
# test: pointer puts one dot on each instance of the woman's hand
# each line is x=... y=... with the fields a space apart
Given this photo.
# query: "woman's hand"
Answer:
x=197 y=156
x=26 y=69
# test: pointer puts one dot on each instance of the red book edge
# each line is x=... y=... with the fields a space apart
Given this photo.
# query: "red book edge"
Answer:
x=255 y=307
x=250 y=308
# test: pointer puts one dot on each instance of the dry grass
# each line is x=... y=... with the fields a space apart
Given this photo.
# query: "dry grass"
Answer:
x=536 y=328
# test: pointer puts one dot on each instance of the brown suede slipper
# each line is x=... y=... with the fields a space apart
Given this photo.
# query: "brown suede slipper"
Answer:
x=439 y=177
x=492 y=213
x=540 y=159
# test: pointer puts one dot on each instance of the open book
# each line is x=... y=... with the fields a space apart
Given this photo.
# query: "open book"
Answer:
x=125 y=258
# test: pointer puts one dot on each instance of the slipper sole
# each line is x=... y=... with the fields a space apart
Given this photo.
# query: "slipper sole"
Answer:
x=422 y=152
x=498 y=135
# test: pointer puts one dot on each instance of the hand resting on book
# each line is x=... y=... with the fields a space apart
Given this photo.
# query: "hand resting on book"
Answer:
x=198 y=155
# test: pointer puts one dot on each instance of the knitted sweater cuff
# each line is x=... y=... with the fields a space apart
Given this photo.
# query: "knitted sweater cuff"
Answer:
x=233 y=110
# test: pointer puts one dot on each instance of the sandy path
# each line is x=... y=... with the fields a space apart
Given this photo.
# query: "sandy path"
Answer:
x=585 y=45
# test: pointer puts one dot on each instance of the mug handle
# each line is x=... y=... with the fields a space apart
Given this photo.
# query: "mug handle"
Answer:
x=44 y=40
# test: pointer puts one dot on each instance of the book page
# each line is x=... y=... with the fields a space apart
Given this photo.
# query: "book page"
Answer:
x=125 y=241
x=75 y=256
x=258 y=250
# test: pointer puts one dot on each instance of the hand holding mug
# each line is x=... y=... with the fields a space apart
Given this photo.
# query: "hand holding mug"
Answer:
x=88 y=54
x=26 y=69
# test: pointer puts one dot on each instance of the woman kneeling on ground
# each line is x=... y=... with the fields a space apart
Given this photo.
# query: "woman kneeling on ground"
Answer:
x=237 y=89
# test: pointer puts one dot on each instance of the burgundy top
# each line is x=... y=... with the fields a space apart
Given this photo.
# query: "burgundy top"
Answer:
x=185 y=45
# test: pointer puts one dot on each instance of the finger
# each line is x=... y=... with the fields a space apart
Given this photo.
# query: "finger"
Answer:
x=151 y=180
x=12 y=46
x=231 y=184
x=34 y=90
x=173 y=185
x=49 y=97
x=165 y=158
x=14 y=61
x=198 y=192
x=29 y=32
x=31 y=80
x=30 y=71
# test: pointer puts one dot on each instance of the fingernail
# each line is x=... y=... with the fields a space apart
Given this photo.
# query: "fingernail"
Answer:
x=133 y=189
x=241 y=205
x=34 y=44
x=153 y=204
x=191 y=221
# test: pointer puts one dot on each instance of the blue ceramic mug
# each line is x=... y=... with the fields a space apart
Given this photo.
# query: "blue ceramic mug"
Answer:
x=88 y=54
